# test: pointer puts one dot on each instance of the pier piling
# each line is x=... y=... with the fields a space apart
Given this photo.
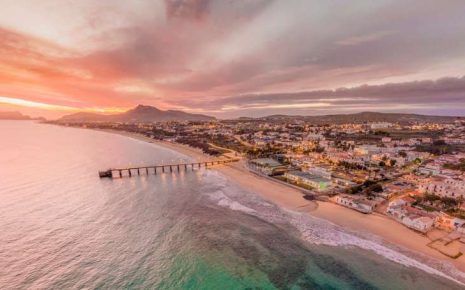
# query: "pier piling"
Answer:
x=119 y=171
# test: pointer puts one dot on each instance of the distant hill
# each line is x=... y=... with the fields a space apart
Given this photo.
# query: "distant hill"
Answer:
x=13 y=116
x=364 y=117
x=141 y=113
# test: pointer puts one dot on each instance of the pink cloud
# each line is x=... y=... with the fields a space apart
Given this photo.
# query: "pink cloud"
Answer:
x=121 y=53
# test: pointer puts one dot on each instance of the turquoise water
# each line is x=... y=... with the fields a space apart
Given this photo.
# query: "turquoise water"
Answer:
x=64 y=228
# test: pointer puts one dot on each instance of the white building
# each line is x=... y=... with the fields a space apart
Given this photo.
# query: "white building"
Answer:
x=450 y=140
x=381 y=125
x=445 y=187
x=314 y=137
x=343 y=182
x=429 y=169
x=367 y=150
x=320 y=171
x=316 y=182
x=408 y=216
x=267 y=166
x=449 y=223
x=417 y=222
x=355 y=202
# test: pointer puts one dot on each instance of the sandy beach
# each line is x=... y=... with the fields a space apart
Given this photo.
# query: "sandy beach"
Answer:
x=292 y=199
x=374 y=224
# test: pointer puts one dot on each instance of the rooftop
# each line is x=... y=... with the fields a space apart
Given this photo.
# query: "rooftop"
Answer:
x=309 y=176
x=266 y=162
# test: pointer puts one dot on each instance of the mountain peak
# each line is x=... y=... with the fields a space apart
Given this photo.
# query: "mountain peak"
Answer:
x=140 y=113
x=144 y=108
x=13 y=116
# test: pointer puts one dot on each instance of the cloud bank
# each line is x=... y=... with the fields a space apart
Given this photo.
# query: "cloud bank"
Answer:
x=234 y=58
x=427 y=96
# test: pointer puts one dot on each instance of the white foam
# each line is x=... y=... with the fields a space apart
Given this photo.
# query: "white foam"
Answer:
x=224 y=201
x=329 y=234
x=235 y=206
x=322 y=232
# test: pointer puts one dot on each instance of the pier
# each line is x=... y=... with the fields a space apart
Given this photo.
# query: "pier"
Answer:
x=162 y=168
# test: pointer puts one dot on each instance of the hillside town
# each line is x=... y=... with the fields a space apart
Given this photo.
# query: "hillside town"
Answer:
x=411 y=172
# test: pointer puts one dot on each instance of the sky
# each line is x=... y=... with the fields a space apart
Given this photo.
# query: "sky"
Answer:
x=231 y=58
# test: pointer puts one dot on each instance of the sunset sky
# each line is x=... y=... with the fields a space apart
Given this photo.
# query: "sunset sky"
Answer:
x=232 y=58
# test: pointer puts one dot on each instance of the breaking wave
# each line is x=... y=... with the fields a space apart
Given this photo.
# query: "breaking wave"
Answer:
x=322 y=232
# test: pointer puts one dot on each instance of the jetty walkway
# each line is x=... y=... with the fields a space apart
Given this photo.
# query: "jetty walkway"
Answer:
x=161 y=168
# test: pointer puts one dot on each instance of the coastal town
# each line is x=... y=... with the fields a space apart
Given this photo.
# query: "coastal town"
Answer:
x=241 y=144
x=410 y=172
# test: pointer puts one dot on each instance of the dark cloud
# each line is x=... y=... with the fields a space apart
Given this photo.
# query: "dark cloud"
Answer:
x=419 y=96
x=238 y=54
x=325 y=45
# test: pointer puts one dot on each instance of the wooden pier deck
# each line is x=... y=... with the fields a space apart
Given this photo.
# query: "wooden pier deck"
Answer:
x=162 y=168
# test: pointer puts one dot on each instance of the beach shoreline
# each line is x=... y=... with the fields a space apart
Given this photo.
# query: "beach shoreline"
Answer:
x=292 y=199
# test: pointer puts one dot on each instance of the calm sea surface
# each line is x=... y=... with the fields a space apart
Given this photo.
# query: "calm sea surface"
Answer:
x=61 y=227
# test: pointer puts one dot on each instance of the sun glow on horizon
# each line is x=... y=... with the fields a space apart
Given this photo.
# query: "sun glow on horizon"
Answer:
x=52 y=107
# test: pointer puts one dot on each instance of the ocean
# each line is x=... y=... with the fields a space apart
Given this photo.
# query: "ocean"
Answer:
x=62 y=227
